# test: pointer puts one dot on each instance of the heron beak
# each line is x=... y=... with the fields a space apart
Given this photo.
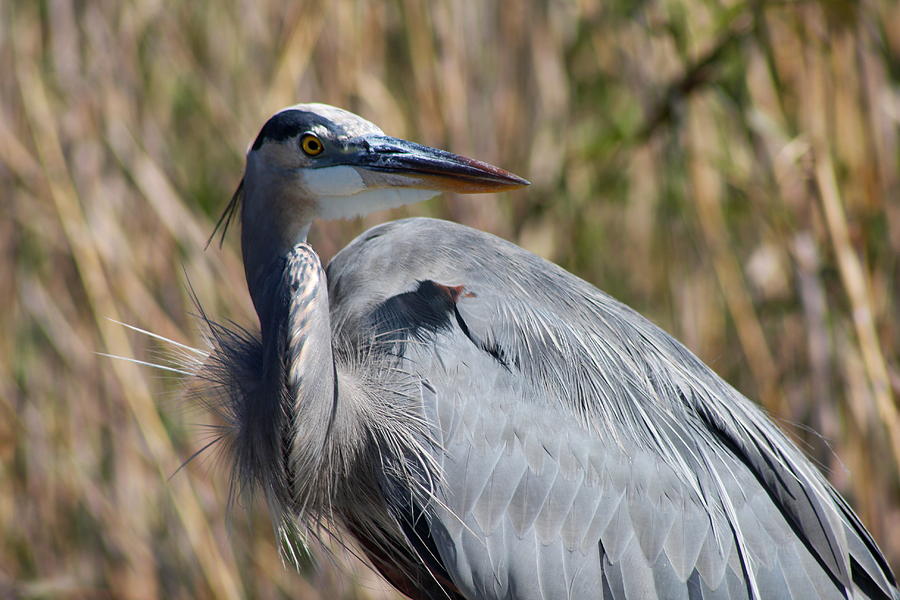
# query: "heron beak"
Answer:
x=392 y=162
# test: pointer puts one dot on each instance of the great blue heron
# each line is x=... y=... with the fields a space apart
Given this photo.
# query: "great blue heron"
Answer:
x=484 y=423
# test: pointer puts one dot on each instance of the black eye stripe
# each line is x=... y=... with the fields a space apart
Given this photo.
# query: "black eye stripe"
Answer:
x=288 y=123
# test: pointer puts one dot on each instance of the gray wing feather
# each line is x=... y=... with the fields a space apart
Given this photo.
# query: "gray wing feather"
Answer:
x=607 y=506
x=556 y=507
x=619 y=534
x=496 y=496
x=527 y=565
x=584 y=506
x=711 y=562
x=688 y=538
x=667 y=583
x=528 y=497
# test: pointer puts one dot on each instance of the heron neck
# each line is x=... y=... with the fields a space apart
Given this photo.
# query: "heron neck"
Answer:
x=298 y=371
x=308 y=355
x=273 y=221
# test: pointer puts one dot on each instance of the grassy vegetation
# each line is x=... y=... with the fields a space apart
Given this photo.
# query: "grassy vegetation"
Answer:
x=729 y=168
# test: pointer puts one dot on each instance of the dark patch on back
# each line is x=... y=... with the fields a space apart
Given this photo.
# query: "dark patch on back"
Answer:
x=420 y=314
x=417 y=314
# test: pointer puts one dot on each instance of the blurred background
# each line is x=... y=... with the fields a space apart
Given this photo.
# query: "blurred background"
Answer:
x=729 y=168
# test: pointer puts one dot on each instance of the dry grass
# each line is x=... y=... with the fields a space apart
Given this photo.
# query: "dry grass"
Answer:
x=731 y=169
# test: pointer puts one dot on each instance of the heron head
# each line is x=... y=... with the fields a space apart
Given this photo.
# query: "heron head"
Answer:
x=313 y=161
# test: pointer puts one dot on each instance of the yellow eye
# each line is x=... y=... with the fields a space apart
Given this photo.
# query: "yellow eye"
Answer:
x=311 y=144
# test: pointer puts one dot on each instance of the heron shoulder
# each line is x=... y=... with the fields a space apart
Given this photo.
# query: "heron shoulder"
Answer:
x=394 y=257
x=411 y=245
